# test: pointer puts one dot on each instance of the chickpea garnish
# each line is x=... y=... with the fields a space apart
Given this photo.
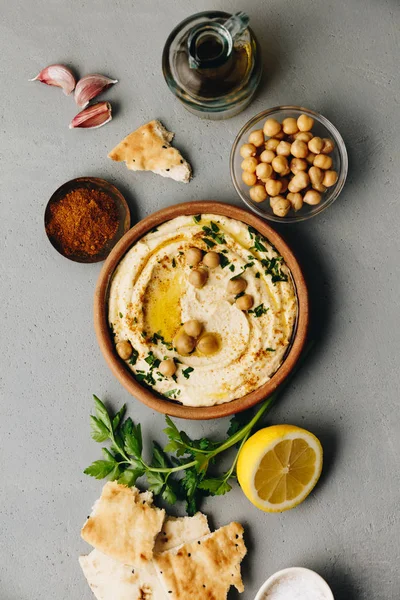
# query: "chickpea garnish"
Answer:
x=298 y=164
x=257 y=138
x=124 y=349
x=296 y=200
x=258 y=193
x=305 y=123
x=303 y=136
x=211 y=259
x=315 y=145
x=273 y=187
x=283 y=149
x=198 y=278
x=328 y=147
x=263 y=171
x=272 y=144
x=208 y=344
x=167 y=367
x=245 y=302
x=236 y=286
x=267 y=156
x=299 y=149
x=312 y=197
x=330 y=178
x=194 y=256
x=271 y=127
x=300 y=181
x=281 y=206
x=249 y=164
x=247 y=150
x=289 y=126
x=249 y=178
x=193 y=328
x=323 y=161
x=280 y=165
x=316 y=175
x=184 y=343
x=319 y=187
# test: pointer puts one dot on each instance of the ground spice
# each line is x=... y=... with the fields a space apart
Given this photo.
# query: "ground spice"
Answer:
x=83 y=221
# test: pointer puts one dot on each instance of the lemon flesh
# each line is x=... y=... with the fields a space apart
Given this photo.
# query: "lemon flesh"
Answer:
x=279 y=466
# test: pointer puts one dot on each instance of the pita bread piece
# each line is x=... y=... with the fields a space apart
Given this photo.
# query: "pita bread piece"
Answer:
x=124 y=524
x=149 y=149
x=204 y=569
x=110 y=580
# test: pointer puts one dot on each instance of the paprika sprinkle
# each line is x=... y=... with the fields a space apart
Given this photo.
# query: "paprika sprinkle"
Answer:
x=83 y=221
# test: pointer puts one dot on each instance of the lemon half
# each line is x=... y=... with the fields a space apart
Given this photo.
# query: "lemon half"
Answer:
x=279 y=466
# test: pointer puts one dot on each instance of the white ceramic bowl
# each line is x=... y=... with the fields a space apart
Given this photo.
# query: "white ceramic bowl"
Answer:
x=293 y=573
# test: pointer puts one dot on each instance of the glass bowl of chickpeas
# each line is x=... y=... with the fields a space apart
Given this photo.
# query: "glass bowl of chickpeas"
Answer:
x=288 y=164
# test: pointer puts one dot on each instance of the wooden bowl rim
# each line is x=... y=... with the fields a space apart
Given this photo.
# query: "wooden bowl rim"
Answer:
x=118 y=368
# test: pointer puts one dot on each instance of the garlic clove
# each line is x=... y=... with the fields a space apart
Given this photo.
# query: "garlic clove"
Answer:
x=93 y=116
x=91 y=86
x=58 y=75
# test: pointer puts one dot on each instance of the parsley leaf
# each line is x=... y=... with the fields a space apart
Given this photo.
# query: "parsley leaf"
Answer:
x=172 y=393
x=100 y=468
x=270 y=349
x=224 y=261
x=186 y=372
x=217 y=486
x=273 y=268
x=134 y=357
x=197 y=218
x=259 y=310
x=209 y=243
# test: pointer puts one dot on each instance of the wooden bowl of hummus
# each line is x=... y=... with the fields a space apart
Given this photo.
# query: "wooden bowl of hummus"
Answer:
x=251 y=309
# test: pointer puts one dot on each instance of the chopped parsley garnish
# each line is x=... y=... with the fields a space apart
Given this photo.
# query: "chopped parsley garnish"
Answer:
x=186 y=372
x=259 y=310
x=224 y=261
x=134 y=357
x=257 y=275
x=157 y=337
x=172 y=393
x=144 y=334
x=214 y=233
x=258 y=245
x=197 y=218
x=154 y=230
x=146 y=377
x=273 y=267
x=214 y=227
x=152 y=360
x=120 y=315
x=270 y=349
x=246 y=266
x=209 y=243
x=174 y=263
x=225 y=251
x=232 y=268
x=112 y=329
x=252 y=231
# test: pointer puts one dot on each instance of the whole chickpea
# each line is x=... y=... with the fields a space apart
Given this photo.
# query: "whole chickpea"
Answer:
x=303 y=136
x=312 y=197
x=249 y=164
x=249 y=178
x=236 y=286
x=193 y=328
x=316 y=175
x=300 y=181
x=280 y=165
x=329 y=146
x=272 y=144
x=273 y=187
x=281 y=206
x=257 y=138
x=310 y=158
x=296 y=200
x=198 y=278
x=319 y=187
x=211 y=260
x=299 y=149
x=285 y=184
x=323 y=161
x=289 y=126
x=305 y=123
x=258 y=193
x=194 y=256
x=280 y=136
x=184 y=343
x=315 y=145
x=330 y=178
x=271 y=127
x=267 y=156
x=167 y=367
x=247 y=150
x=283 y=148
x=298 y=164
x=263 y=171
x=245 y=302
x=124 y=349
x=208 y=344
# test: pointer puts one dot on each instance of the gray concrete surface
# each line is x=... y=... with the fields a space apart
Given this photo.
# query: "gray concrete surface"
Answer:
x=338 y=57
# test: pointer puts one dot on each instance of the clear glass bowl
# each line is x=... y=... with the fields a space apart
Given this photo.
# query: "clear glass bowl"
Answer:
x=322 y=128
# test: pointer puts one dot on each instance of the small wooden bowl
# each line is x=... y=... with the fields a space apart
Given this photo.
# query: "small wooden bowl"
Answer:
x=118 y=367
x=124 y=218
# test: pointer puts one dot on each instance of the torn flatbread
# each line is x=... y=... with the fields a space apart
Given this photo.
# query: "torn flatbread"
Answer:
x=111 y=580
x=124 y=524
x=149 y=149
x=204 y=569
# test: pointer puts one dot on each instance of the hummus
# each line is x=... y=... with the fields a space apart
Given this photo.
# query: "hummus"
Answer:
x=150 y=298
